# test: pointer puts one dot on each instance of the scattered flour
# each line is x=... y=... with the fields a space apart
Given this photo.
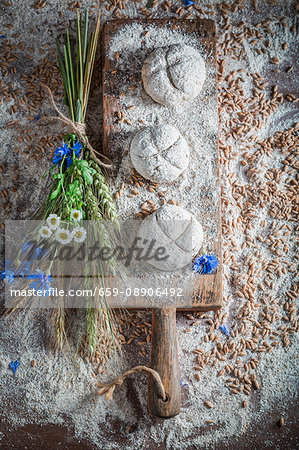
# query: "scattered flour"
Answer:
x=60 y=389
x=197 y=189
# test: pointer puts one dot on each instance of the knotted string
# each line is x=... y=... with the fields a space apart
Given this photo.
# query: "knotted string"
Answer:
x=108 y=388
x=77 y=128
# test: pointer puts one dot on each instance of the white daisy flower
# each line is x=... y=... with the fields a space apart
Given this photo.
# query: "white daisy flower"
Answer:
x=76 y=215
x=45 y=232
x=63 y=236
x=53 y=221
x=79 y=234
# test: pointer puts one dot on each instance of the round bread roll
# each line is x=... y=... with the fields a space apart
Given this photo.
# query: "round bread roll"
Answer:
x=177 y=231
x=175 y=74
x=159 y=153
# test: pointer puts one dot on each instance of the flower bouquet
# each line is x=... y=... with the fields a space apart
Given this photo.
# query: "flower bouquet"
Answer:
x=79 y=191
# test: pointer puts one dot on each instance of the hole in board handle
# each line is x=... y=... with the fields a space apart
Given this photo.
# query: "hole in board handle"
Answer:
x=164 y=400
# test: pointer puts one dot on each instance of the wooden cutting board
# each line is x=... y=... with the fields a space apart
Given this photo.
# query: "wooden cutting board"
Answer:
x=207 y=289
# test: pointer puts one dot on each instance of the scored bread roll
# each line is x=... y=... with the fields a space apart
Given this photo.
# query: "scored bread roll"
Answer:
x=159 y=153
x=177 y=231
x=173 y=75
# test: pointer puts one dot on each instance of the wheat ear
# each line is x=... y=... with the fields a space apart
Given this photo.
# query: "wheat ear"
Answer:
x=60 y=327
x=103 y=192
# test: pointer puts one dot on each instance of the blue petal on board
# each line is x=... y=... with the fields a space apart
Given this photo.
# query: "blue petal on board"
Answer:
x=14 y=365
x=205 y=264
x=224 y=330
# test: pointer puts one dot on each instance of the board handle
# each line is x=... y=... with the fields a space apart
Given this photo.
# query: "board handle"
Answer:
x=164 y=360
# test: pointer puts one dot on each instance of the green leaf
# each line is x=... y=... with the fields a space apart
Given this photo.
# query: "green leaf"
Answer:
x=85 y=36
x=69 y=53
x=77 y=66
x=56 y=192
x=68 y=83
x=82 y=164
x=78 y=111
x=79 y=57
x=74 y=190
x=87 y=177
x=87 y=172
x=61 y=178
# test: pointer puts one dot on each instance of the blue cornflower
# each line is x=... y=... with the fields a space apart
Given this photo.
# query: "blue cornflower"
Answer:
x=25 y=247
x=24 y=269
x=67 y=152
x=14 y=365
x=8 y=264
x=10 y=272
x=42 y=281
x=205 y=264
x=36 y=252
x=224 y=330
x=188 y=2
x=8 y=275
x=61 y=152
x=39 y=252
x=77 y=148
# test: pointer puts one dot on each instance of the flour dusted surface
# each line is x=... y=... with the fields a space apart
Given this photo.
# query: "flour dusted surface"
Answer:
x=197 y=189
x=58 y=392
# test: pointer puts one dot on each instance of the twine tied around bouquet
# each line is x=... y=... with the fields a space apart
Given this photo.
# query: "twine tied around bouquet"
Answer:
x=77 y=128
x=108 y=388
